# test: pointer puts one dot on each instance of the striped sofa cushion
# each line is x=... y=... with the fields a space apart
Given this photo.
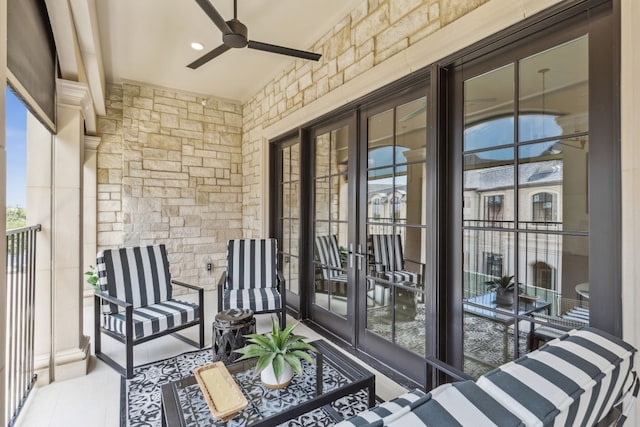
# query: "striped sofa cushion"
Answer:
x=154 y=318
x=573 y=380
x=458 y=404
x=387 y=411
x=252 y=263
x=258 y=299
x=137 y=275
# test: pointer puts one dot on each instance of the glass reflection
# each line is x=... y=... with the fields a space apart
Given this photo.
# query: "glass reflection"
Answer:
x=322 y=153
x=380 y=140
x=488 y=109
x=411 y=127
x=488 y=188
x=294 y=278
x=554 y=91
x=553 y=185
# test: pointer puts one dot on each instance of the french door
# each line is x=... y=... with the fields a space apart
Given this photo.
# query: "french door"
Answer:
x=393 y=227
x=334 y=177
x=370 y=229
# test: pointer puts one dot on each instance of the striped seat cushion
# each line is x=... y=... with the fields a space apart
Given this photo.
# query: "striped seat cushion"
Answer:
x=387 y=411
x=579 y=314
x=154 y=318
x=458 y=404
x=257 y=299
x=137 y=275
x=573 y=380
x=400 y=276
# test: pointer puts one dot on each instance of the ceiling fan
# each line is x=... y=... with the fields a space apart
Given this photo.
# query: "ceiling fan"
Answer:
x=234 y=35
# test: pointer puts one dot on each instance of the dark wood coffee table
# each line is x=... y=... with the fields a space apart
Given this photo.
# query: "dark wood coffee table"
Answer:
x=333 y=376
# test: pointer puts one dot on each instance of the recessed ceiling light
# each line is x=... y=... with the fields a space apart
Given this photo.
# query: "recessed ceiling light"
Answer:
x=196 y=46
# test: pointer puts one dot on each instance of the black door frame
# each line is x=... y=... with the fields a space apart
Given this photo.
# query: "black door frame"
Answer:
x=444 y=144
x=596 y=19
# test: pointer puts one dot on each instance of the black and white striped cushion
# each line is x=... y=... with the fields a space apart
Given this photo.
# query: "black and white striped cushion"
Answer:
x=400 y=276
x=387 y=411
x=328 y=254
x=257 y=299
x=458 y=404
x=573 y=380
x=389 y=258
x=137 y=275
x=387 y=252
x=252 y=263
x=154 y=318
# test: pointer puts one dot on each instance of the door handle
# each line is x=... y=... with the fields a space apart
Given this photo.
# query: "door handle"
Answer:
x=350 y=255
x=360 y=257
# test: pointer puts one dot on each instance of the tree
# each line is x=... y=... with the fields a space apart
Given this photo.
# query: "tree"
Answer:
x=16 y=218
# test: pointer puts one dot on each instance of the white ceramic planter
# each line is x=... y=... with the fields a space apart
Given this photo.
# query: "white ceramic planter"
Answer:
x=269 y=378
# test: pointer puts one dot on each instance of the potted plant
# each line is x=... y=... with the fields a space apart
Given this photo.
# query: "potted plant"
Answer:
x=504 y=287
x=279 y=354
x=92 y=278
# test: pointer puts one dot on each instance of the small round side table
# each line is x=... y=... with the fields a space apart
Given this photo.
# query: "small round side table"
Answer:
x=229 y=328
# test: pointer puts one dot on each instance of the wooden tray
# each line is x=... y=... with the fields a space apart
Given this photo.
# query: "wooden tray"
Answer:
x=220 y=390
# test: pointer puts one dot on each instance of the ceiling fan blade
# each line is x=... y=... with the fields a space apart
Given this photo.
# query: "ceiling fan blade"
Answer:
x=214 y=15
x=209 y=56
x=283 y=50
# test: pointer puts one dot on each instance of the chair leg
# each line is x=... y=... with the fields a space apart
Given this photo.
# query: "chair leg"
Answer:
x=129 y=341
x=96 y=325
x=201 y=302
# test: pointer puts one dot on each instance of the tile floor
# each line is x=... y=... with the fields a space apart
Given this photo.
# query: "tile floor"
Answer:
x=94 y=400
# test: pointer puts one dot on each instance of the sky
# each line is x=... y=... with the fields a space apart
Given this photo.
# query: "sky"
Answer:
x=16 y=129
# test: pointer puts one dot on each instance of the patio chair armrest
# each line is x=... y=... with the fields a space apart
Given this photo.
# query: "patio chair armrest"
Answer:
x=187 y=285
x=281 y=281
x=104 y=296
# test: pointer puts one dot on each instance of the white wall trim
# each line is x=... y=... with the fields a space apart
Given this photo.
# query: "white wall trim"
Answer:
x=630 y=167
x=74 y=94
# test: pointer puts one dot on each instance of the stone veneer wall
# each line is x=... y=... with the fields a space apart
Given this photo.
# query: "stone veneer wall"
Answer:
x=170 y=171
x=372 y=33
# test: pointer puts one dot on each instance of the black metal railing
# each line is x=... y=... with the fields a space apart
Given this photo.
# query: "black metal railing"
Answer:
x=21 y=272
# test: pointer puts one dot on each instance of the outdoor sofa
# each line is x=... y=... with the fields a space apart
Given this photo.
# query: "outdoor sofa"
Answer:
x=574 y=380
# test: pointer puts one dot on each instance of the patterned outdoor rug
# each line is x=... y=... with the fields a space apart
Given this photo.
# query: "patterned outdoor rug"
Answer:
x=140 y=396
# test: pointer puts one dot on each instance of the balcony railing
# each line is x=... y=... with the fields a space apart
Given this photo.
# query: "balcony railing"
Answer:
x=21 y=271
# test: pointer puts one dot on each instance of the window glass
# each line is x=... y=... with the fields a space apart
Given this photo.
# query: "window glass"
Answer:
x=554 y=92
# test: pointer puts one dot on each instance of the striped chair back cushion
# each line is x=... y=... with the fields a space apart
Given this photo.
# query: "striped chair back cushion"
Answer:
x=137 y=275
x=252 y=263
x=387 y=252
x=573 y=380
x=328 y=254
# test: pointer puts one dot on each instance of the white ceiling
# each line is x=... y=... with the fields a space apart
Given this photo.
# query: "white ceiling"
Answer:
x=149 y=41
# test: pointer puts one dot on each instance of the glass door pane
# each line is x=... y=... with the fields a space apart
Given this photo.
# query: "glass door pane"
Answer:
x=332 y=296
x=526 y=217
x=289 y=238
x=395 y=228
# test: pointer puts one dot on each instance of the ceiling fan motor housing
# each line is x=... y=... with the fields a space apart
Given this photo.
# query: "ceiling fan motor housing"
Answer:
x=238 y=36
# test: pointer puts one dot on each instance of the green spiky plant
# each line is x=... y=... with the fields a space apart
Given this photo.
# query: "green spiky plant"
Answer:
x=502 y=284
x=277 y=348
